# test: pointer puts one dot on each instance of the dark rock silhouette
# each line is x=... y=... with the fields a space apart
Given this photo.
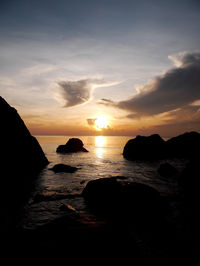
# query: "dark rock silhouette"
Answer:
x=21 y=160
x=20 y=151
x=116 y=199
x=144 y=148
x=190 y=178
x=185 y=145
x=154 y=147
x=73 y=145
x=167 y=170
x=59 y=168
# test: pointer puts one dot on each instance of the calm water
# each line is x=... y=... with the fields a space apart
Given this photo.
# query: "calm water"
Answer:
x=104 y=159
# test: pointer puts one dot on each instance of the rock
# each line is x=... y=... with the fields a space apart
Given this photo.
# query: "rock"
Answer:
x=59 y=168
x=154 y=147
x=22 y=159
x=190 y=177
x=167 y=170
x=121 y=200
x=145 y=148
x=189 y=182
x=20 y=151
x=186 y=145
x=73 y=145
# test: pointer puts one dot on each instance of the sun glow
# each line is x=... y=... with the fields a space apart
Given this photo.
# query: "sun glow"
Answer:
x=101 y=122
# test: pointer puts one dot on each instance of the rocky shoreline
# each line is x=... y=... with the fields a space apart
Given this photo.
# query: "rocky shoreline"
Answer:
x=129 y=220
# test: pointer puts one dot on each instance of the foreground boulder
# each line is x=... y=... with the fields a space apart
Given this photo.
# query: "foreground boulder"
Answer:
x=116 y=199
x=73 y=145
x=59 y=168
x=144 y=148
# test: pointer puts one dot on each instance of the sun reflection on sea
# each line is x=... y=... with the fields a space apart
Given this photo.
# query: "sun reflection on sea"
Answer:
x=100 y=142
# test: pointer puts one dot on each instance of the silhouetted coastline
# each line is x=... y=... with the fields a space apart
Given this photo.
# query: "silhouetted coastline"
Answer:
x=127 y=217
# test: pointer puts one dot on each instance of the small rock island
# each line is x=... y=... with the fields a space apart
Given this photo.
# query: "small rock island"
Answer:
x=72 y=145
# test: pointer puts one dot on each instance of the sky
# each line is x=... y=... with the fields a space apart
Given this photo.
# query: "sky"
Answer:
x=134 y=63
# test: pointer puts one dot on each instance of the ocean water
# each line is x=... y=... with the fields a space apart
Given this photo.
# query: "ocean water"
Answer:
x=104 y=159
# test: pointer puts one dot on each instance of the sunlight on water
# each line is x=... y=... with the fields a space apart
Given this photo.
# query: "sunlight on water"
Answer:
x=100 y=141
x=104 y=159
x=100 y=152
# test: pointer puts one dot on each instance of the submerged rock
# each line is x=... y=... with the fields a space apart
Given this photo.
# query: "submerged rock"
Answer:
x=58 y=168
x=145 y=148
x=121 y=200
x=73 y=145
x=167 y=170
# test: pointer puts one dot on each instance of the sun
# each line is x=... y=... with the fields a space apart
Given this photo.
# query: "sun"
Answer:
x=101 y=122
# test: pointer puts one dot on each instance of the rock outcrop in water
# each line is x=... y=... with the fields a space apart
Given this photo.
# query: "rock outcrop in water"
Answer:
x=73 y=145
x=145 y=148
x=154 y=147
x=186 y=145
x=63 y=168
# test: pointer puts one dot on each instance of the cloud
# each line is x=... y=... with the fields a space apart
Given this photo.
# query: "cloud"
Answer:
x=91 y=121
x=178 y=87
x=80 y=92
x=76 y=92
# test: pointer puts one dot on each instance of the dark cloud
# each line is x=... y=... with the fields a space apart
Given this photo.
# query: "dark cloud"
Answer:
x=177 y=88
x=77 y=92
x=80 y=91
x=91 y=121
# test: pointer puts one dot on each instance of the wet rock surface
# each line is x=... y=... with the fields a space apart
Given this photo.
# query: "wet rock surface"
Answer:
x=63 y=168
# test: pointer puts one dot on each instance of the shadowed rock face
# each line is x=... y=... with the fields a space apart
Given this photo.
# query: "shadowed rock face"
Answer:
x=167 y=170
x=185 y=145
x=73 y=145
x=22 y=159
x=20 y=151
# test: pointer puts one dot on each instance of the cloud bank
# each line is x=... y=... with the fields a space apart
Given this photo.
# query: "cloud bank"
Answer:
x=178 y=88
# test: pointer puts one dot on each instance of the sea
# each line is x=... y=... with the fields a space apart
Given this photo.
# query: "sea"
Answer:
x=105 y=158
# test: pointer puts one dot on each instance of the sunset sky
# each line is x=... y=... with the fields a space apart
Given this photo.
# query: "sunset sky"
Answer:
x=133 y=63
